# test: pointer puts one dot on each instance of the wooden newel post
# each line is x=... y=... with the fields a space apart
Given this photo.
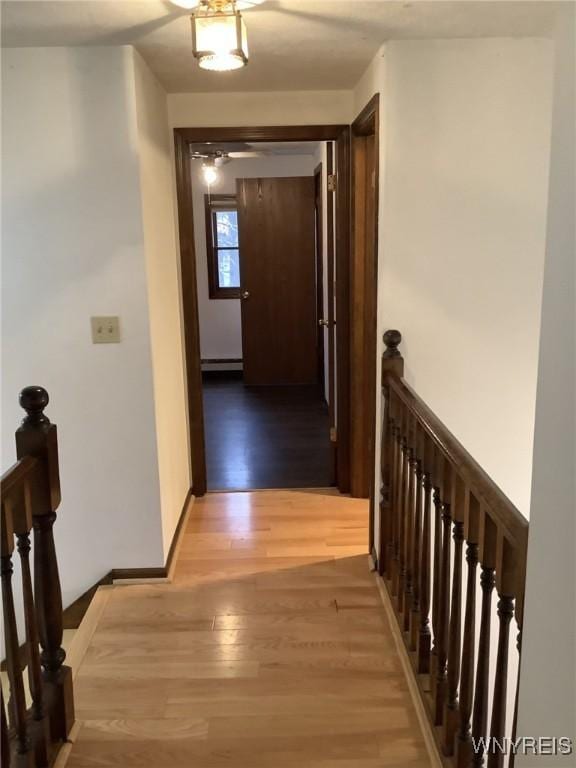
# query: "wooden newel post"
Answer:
x=392 y=360
x=392 y=363
x=37 y=437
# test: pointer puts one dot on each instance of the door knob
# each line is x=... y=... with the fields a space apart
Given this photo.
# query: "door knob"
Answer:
x=245 y=295
x=323 y=323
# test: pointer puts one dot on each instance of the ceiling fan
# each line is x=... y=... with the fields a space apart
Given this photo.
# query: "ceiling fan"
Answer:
x=219 y=155
x=214 y=156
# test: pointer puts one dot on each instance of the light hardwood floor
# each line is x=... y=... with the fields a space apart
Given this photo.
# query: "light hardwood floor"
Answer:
x=270 y=649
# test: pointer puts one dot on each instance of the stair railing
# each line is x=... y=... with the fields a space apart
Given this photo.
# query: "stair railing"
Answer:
x=30 y=495
x=441 y=517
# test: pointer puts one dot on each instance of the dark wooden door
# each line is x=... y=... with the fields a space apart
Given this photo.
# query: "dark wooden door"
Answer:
x=277 y=267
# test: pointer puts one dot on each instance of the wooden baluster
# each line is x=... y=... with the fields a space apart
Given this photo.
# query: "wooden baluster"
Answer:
x=423 y=643
x=399 y=485
x=37 y=437
x=409 y=525
x=401 y=506
x=5 y=749
x=443 y=600
x=404 y=531
x=386 y=474
x=40 y=726
x=17 y=702
x=455 y=632
x=487 y=582
x=417 y=543
x=393 y=535
x=498 y=725
x=515 y=716
x=463 y=742
x=384 y=507
x=437 y=485
x=520 y=585
x=505 y=583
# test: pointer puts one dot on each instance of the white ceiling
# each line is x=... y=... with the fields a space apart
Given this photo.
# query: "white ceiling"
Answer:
x=294 y=44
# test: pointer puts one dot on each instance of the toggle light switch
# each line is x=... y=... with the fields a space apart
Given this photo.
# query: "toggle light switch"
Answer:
x=105 y=330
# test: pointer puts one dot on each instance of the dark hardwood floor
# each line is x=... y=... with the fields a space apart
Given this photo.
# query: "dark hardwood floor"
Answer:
x=265 y=437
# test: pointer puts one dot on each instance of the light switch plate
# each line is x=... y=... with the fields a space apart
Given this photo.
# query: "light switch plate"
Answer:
x=105 y=330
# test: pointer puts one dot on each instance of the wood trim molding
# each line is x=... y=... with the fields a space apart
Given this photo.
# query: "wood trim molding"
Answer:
x=221 y=360
x=85 y=631
x=427 y=732
x=190 y=314
x=178 y=534
x=262 y=133
x=75 y=612
x=340 y=134
x=214 y=290
x=320 y=276
x=330 y=280
x=343 y=272
x=364 y=301
x=163 y=572
x=366 y=123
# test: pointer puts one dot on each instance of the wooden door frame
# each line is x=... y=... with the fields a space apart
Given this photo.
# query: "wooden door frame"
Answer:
x=320 y=277
x=330 y=316
x=340 y=134
x=364 y=290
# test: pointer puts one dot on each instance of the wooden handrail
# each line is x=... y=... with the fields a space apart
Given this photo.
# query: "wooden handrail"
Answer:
x=18 y=474
x=30 y=495
x=440 y=517
x=503 y=512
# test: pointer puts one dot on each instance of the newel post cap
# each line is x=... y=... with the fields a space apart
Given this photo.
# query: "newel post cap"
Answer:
x=392 y=339
x=34 y=400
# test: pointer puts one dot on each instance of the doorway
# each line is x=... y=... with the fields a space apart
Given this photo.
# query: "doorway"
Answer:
x=257 y=216
x=338 y=336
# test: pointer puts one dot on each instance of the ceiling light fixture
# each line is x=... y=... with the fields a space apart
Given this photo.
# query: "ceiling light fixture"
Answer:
x=210 y=172
x=189 y=5
x=219 y=36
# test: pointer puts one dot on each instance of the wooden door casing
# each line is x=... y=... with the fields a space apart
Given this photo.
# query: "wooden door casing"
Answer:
x=320 y=309
x=277 y=265
x=339 y=150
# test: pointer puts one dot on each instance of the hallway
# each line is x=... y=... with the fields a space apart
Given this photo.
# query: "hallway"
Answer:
x=270 y=649
x=265 y=437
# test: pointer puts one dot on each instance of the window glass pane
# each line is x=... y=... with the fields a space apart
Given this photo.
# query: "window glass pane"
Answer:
x=228 y=269
x=226 y=229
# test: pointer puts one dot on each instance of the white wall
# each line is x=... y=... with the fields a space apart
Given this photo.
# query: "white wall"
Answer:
x=547 y=705
x=260 y=108
x=72 y=242
x=164 y=296
x=466 y=131
x=220 y=321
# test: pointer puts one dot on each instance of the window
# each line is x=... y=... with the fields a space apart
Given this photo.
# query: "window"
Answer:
x=222 y=247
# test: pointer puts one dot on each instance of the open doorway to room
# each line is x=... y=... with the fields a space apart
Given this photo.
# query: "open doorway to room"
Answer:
x=341 y=292
x=258 y=228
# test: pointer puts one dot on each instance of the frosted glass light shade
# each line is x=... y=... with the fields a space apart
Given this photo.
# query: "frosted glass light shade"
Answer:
x=219 y=41
x=188 y=4
x=210 y=174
